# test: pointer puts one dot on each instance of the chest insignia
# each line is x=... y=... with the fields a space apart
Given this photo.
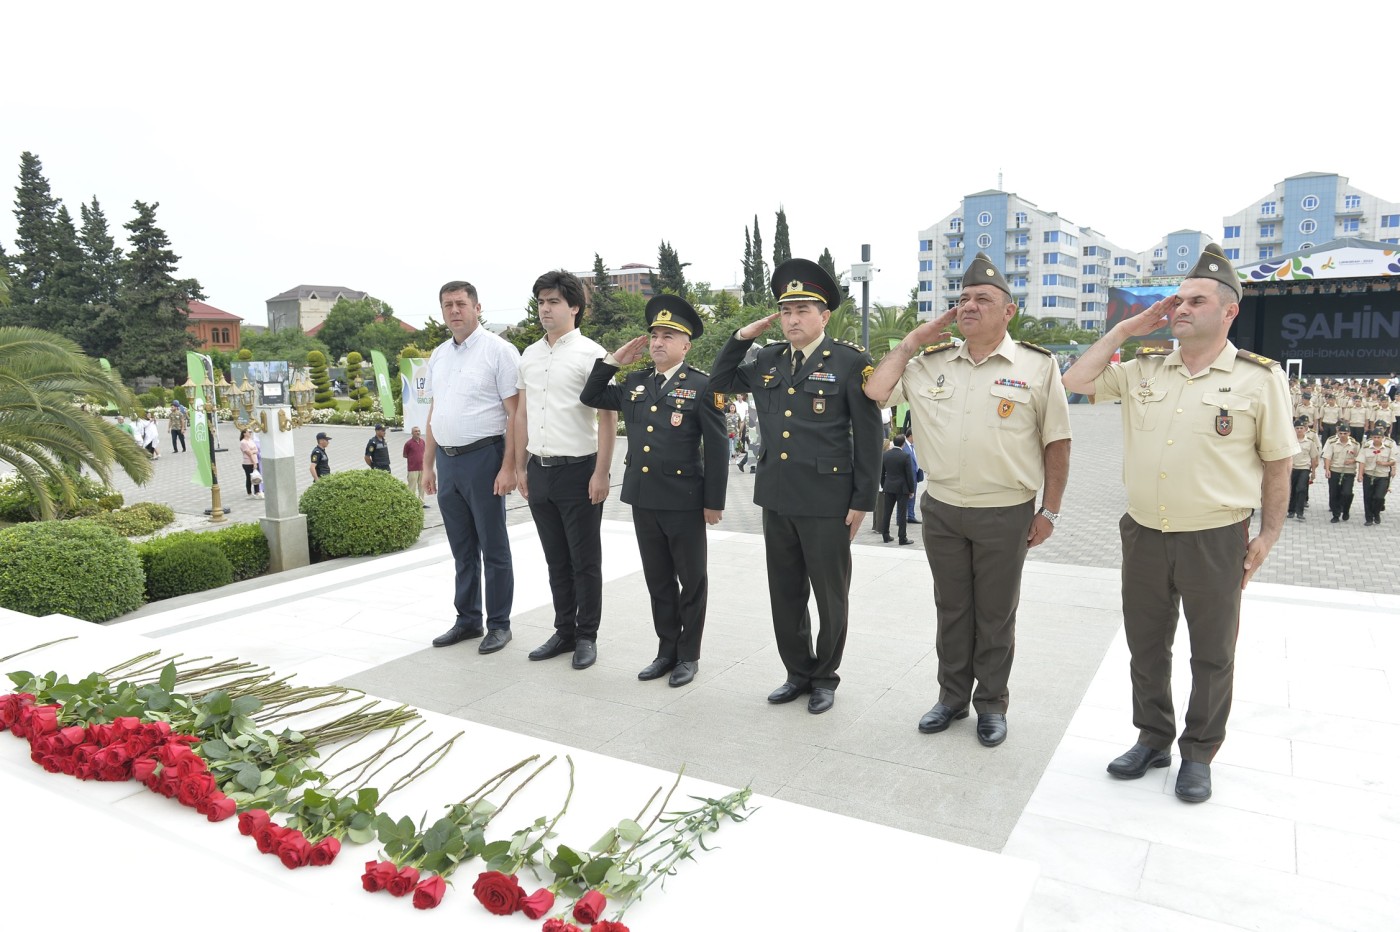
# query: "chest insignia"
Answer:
x=1224 y=423
x=1013 y=383
x=676 y=417
x=1005 y=407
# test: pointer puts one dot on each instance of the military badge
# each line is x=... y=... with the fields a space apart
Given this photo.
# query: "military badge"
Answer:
x=1224 y=423
x=818 y=405
x=865 y=375
x=1005 y=407
x=676 y=418
x=719 y=400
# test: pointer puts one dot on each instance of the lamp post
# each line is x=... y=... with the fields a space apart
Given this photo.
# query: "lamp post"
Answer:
x=862 y=273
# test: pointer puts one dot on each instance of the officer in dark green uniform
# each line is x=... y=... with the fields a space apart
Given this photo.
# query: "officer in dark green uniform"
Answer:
x=677 y=457
x=320 y=459
x=377 y=450
x=818 y=472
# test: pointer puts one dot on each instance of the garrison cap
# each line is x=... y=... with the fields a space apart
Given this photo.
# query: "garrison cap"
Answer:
x=804 y=280
x=1216 y=267
x=668 y=310
x=980 y=271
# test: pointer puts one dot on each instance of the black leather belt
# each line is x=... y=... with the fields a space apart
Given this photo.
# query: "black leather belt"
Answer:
x=474 y=445
x=562 y=460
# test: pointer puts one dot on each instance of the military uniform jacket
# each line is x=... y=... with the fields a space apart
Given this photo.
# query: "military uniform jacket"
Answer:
x=677 y=452
x=1341 y=456
x=821 y=435
x=1307 y=453
x=378 y=452
x=1377 y=463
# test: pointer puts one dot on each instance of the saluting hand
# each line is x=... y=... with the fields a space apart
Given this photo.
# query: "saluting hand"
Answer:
x=1154 y=318
x=933 y=331
x=752 y=331
x=631 y=351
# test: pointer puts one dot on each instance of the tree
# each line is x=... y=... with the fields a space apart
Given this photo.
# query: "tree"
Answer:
x=387 y=336
x=44 y=435
x=355 y=376
x=35 y=211
x=829 y=264
x=346 y=319
x=669 y=277
x=432 y=334
x=152 y=302
x=69 y=292
x=605 y=312
x=291 y=346
x=748 y=265
x=321 y=378
x=782 y=249
x=103 y=255
x=528 y=330
x=759 y=283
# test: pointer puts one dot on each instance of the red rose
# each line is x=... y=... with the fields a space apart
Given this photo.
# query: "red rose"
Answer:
x=294 y=850
x=113 y=755
x=193 y=788
x=402 y=883
x=604 y=925
x=537 y=904
x=72 y=735
x=218 y=807
x=377 y=875
x=248 y=822
x=190 y=765
x=10 y=707
x=268 y=837
x=42 y=719
x=499 y=893
x=429 y=893
x=103 y=733
x=324 y=852
x=559 y=925
x=590 y=906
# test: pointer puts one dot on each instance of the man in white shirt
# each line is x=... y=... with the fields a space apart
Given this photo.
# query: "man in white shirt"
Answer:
x=469 y=463
x=563 y=468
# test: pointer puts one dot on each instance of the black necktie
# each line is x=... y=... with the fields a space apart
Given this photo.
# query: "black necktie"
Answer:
x=660 y=381
x=797 y=359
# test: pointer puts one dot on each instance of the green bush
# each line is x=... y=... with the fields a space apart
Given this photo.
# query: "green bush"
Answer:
x=321 y=378
x=184 y=562
x=17 y=502
x=136 y=520
x=361 y=512
x=355 y=376
x=73 y=568
x=245 y=546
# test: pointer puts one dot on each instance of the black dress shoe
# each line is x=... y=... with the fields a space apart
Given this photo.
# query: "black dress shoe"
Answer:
x=1136 y=761
x=991 y=728
x=887 y=538
x=656 y=669
x=905 y=540
x=939 y=718
x=1193 y=782
x=556 y=645
x=820 y=700
x=684 y=672
x=496 y=638
x=1335 y=519
x=585 y=652
x=457 y=635
x=787 y=692
x=912 y=521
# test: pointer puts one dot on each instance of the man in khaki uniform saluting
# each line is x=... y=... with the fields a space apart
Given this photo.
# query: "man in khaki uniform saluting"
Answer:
x=996 y=426
x=1208 y=440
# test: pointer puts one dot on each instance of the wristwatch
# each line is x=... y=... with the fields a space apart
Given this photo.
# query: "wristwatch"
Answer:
x=1048 y=515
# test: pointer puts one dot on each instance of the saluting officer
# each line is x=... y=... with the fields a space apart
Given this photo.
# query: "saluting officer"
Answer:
x=377 y=450
x=320 y=459
x=676 y=469
x=817 y=472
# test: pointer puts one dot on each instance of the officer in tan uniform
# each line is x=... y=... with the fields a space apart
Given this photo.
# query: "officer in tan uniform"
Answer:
x=1329 y=412
x=1376 y=467
x=1339 y=456
x=1306 y=408
x=994 y=421
x=1208 y=441
x=1304 y=469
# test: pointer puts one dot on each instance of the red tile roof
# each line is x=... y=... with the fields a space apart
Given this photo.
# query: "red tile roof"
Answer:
x=198 y=310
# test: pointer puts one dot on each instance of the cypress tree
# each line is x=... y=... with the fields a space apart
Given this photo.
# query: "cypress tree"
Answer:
x=782 y=249
x=152 y=303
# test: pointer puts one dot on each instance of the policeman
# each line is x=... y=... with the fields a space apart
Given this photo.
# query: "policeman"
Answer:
x=676 y=470
x=818 y=469
x=377 y=450
x=320 y=459
x=1339 y=456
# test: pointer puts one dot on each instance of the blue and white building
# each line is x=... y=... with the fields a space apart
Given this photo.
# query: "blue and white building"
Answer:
x=1305 y=211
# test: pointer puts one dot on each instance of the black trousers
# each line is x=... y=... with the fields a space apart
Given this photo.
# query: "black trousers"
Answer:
x=807 y=555
x=897 y=502
x=1325 y=432
x=570 y=529
x=1298 y=490
x=1373 y=489
x=474 y=517
x=177 y=441
x=1340 y=487
x=674 y=552
x=248 y=484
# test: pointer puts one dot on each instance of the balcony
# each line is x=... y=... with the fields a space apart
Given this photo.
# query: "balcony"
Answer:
x=1015 y=247
x=1270 y=218
x=1356 y=212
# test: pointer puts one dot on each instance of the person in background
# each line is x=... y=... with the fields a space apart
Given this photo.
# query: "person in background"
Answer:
x=178 y=423
x=413 y=452
x=249 y=447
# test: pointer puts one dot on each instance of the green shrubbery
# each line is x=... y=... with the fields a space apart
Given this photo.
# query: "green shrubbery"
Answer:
x=184 y=562
x=72 y=568
x=321 y=378
x=359 y=513
x=136 y=520
x=245 y=546
x=18 y=503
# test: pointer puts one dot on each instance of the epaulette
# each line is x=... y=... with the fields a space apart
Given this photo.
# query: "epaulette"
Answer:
x=1152 y=351
x=938 y=348
x=1256 y=359
x=698 y=370
x=855 y=346
x=1034 y=346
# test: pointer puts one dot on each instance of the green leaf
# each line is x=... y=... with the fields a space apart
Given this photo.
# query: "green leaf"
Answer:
x=496 y=849
x=167 y=677
x=218 y=703
x=595 y=870
x=249 y=776
x=630 y=831
x=607 y=841
x=314 y=799
x=366 y=799
x=20 y=677
x=361 y=835
x=245 y=705
x=569 y=856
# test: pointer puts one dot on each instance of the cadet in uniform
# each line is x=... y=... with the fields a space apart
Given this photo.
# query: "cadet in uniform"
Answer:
x=818 y=469
x=377 y=450
x=1304 y=469
x=995 y=421
x=320 y=459
x=676 y=470
x=1376 y=467
x=1339 y=456
x=1329 y=412
x=1208 y=441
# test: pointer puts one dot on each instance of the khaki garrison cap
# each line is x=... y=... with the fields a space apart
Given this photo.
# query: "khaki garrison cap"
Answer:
x=981 y=272
x=1215 y=266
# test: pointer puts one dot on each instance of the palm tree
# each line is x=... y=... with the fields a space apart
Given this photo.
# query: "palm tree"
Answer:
x=890 y=323
x=44 y=434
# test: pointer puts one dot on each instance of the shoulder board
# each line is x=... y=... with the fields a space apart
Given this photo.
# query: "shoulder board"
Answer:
x=1152 y=351
x=1034 y=346
x=855 y=346
x=1256 y=358
x=699 y=371
x=938 y=348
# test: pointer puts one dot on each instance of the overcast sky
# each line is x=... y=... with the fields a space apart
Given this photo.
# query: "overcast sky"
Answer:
x=392 y=147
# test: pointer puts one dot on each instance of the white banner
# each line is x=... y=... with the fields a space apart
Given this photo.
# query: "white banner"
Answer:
x=417 y=394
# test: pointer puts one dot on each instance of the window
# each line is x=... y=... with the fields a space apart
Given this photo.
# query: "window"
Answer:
x=1352 y=202
x=1159 y=268
x=1351 y=225
x=1308 y=226
x=1057 y=301
x=1059 y=281
x=983 y=241
x=955 y=243
x=925 y=307
x=1021 y=218
x=1091 y=270
x=955 y=265
x=1390 y=220
x=955 y=284
x=1050 y=258
x=925 y=285
x=1052 y=236
x=1158 y=253
x=925 y=245
x=1020 y=281
x=925 y=265
x=1232 y=254
x=1392 y=240
x=955 y=224
x=1266 y=252
x=1125 y=260
x=1306 y=246
x=1025 y=240
x=1183 y=265
x=1091 y=250
x=1266 y=230
x=1310 y=202
x=1268 y=208
x=1183 y=250
x=984 y=219
x=1232 y=232
x=1021 y=262
x=1089 y=288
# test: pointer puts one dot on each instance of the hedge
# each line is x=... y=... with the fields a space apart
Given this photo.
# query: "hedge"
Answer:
x=360 y=513
x=73 y=568
x=184 y=562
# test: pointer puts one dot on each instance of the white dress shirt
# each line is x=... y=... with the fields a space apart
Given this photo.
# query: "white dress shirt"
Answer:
x=553 y=377
x=469 y=381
